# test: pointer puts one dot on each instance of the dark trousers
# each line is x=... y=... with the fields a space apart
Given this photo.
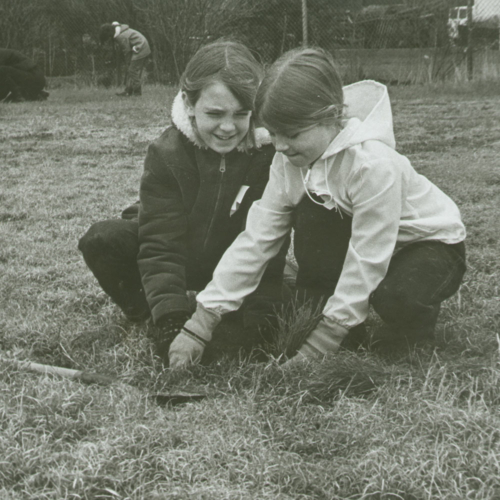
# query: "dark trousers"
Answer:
x=134 y=76
x=26 y=84
x=420 y=276
x=110 y=250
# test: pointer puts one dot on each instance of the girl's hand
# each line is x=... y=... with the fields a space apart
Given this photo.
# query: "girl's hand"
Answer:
x=324 y=339
x=304 y=355
x=170 y=326
x=185 y=350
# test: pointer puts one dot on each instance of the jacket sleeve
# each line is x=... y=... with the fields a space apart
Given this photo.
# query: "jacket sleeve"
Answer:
x=376 y=194
x=274 y=271
x=241 y=268
x=162 y=238
x=260 y=306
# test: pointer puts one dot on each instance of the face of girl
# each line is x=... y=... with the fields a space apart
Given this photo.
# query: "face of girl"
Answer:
x=304 y=146
x=220 y=119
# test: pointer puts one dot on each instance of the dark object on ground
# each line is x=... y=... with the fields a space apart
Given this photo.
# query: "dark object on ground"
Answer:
x=20 y=78
x=162 y=399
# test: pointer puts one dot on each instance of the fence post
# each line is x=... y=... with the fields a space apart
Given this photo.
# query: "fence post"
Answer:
x=304 y=23
x=470 y=61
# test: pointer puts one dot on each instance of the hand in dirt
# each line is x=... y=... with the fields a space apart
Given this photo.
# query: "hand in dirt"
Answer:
x=324 y=339
x=185 y=350
x=304 y=355
x=170 y=326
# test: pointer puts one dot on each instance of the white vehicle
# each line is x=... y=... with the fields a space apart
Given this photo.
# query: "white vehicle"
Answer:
x=457 y=17
x=482 y=10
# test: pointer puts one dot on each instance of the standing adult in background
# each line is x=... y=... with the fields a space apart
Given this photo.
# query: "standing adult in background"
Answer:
x=135 y=48
x=20 y=78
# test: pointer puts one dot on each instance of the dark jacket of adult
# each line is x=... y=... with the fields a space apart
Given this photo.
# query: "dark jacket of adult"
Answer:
x=132 y=43
x=193 y=203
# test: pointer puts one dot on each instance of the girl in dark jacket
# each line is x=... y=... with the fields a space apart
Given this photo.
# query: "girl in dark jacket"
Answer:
x=200 y=178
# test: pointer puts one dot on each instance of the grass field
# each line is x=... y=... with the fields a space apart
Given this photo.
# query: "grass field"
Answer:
x=412 y=425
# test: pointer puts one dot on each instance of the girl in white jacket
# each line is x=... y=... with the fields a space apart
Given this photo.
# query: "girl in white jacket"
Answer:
x=368 y=229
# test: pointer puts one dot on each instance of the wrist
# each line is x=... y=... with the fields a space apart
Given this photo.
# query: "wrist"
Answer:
x=327 y=336
x=171 y=324
x=308 y=351
x=202 y=324
x=172 y=317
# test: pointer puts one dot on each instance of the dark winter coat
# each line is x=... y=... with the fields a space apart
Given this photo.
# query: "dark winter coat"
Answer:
x=187 y=194
x=132 y=43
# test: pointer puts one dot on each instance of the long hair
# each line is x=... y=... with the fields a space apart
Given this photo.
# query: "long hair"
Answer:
x=301 y=89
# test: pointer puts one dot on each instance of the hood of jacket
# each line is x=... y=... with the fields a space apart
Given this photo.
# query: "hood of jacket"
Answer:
x=119 y=28
x=368 y=116
x=183 y=122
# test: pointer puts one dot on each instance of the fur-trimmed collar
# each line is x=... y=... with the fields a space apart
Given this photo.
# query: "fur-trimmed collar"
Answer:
x=182 y=121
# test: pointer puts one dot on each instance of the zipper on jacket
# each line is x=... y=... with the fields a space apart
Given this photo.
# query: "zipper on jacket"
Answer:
x=222 y=169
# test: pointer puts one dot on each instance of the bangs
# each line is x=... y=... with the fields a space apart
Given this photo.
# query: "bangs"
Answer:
x=230 y=63
x=243 y=86
x=283 y=118
x=289 y=112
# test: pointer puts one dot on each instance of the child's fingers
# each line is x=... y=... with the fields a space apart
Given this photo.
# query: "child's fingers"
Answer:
x=184 y=351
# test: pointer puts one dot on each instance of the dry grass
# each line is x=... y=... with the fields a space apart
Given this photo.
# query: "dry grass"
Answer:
x=410 y=424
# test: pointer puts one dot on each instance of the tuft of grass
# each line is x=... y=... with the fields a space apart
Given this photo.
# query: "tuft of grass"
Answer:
x=296 y=319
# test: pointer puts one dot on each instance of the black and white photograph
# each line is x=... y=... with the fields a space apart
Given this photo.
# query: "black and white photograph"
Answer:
x=249 y=249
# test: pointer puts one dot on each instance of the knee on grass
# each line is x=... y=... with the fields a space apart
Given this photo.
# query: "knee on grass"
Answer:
x=402 y=311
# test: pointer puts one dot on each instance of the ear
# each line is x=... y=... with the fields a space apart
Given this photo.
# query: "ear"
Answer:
x=187 y=103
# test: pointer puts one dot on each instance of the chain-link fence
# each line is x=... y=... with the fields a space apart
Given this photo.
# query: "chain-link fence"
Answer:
x=393 y=40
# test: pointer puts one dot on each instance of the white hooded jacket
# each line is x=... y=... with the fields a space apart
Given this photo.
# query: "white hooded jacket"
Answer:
x=390 y=203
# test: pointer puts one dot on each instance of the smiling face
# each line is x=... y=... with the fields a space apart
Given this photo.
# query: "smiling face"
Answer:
x=304 y=146
x=219 y=118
